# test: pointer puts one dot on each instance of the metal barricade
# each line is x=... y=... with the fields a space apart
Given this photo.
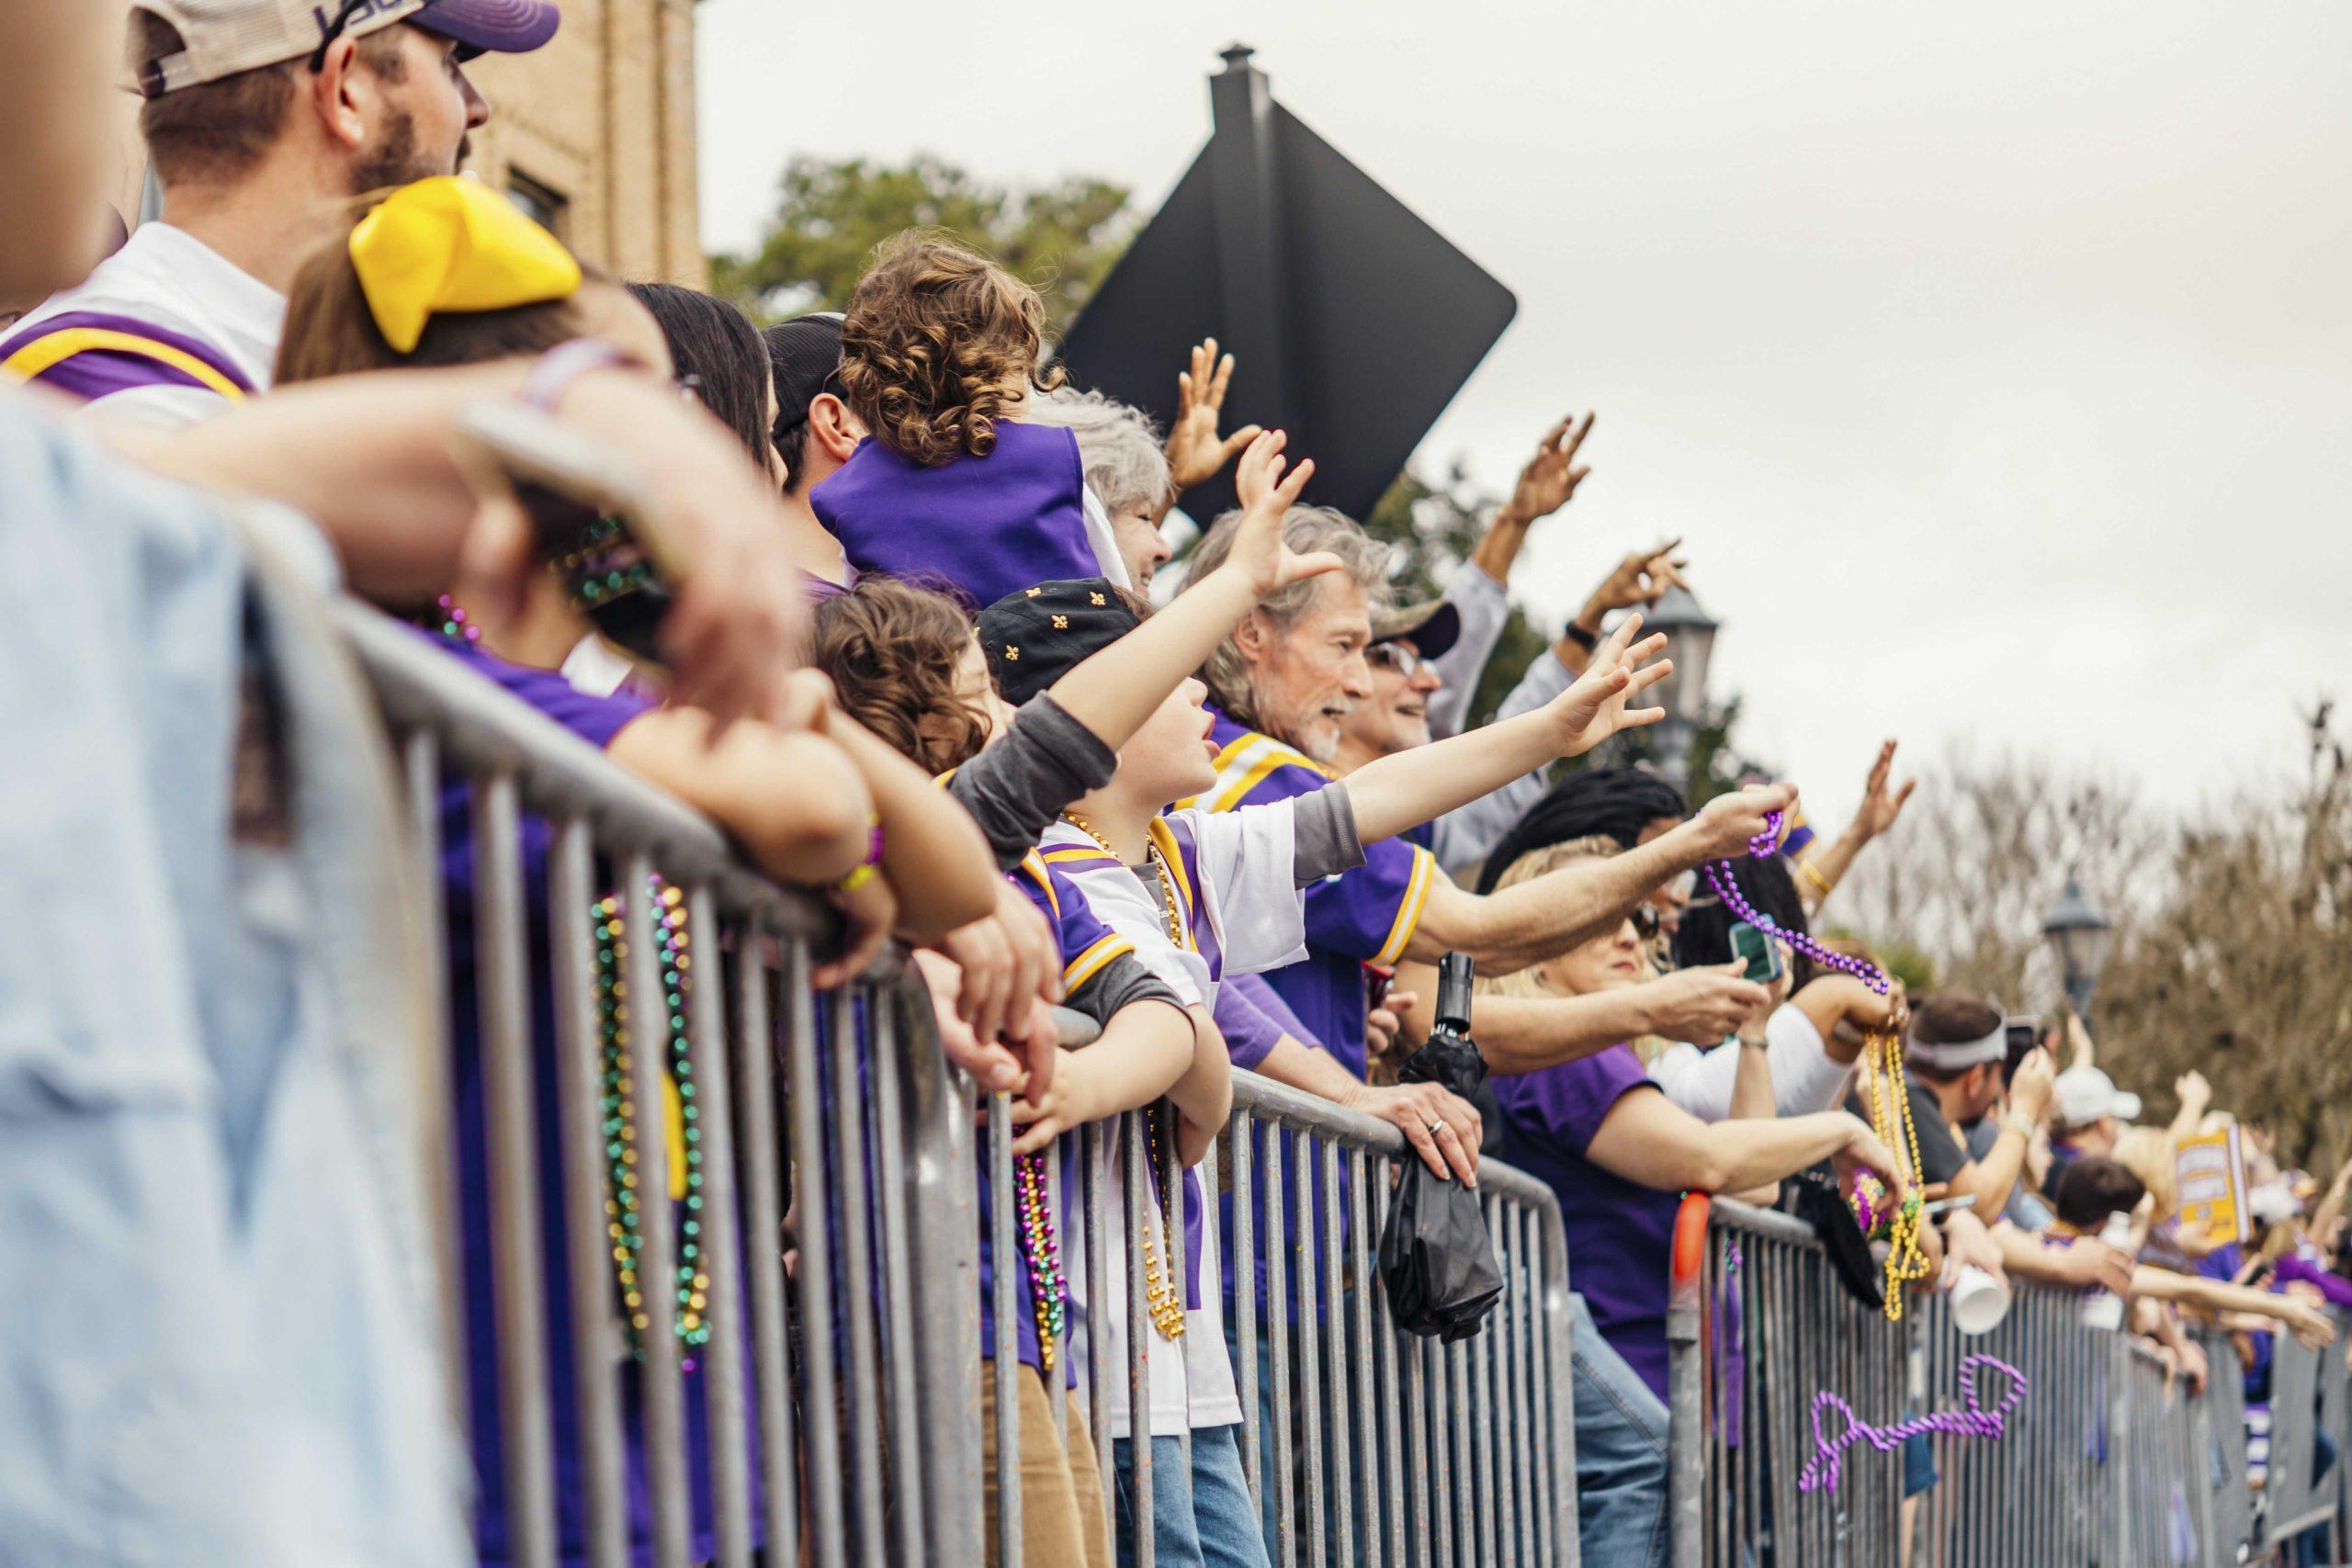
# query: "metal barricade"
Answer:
x=1361 y=1444
x=599 y=1192
x=1758 y=1323
x=2306 y=1399
x=2231 y=1514
x=831 y=1412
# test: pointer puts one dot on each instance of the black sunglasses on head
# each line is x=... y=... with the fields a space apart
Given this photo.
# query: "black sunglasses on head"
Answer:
x=343 y=18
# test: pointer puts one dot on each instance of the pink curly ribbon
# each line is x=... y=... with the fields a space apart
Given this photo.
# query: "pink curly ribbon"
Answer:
x=1972 y=1420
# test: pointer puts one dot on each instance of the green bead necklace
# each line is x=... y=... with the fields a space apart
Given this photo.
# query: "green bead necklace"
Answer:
x=682 y=1181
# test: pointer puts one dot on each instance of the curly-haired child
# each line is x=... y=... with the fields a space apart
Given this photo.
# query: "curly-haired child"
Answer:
x=941 y=351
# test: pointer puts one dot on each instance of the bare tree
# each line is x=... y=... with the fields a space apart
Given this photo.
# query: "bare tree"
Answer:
x=2232 y=947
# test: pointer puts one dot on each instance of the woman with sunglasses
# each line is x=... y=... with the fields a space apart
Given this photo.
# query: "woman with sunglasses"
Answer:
x=1619 y=1153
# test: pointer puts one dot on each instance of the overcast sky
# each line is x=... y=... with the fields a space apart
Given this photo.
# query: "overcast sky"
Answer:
x=1995 y=363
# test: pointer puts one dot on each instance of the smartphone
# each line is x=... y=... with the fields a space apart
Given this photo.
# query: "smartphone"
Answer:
x=587 y=516
x=1928 y=1210
x=2024 y=1033
x=1763 y=955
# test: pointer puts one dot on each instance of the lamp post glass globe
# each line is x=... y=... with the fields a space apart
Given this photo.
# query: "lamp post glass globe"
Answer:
x=2077 y=932
x=1689 y=640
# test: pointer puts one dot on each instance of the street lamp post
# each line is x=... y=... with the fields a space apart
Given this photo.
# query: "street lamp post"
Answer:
x=2077 y=933
x=1690 y=639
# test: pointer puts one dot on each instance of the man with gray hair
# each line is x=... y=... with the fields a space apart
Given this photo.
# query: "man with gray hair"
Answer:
x=1282 y=684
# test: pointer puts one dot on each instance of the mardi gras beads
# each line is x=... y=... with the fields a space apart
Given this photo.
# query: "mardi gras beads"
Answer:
x=1048 y=1291
x=1905 y=1261
x=1161 y=1297
x=1971 y=1420
x=1761 y=847
x=624 y=1197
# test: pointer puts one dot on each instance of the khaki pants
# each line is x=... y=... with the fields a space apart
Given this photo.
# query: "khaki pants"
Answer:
x=1062 y=1522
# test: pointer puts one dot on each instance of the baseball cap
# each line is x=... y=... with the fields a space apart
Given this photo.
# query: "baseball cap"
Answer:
x=2083 y=1095
x=223 y=38
x=1432 y=625
x=803 y=356
x=1036 y=637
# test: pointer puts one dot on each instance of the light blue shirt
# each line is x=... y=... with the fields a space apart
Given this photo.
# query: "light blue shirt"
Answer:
x=215 y=1343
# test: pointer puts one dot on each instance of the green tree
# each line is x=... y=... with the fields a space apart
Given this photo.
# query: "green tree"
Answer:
x=1062 y=238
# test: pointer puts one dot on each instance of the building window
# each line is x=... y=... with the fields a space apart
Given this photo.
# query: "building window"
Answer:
x=542 y=204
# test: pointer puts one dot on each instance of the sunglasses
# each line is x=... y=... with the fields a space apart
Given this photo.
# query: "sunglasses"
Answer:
x=1402 y=657
x=1648 y=922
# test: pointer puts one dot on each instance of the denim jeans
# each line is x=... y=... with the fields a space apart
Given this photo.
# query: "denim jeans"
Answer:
x=1620 y=1453
x=1200 y=1520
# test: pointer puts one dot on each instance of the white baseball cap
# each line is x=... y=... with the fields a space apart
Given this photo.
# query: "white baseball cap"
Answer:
x=223 y=38
x=2081 y=1096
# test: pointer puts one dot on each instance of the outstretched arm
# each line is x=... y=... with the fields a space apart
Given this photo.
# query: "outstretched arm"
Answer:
x=370 y=458
x=1409 y=788
x=1543 y=917
x=1822 y=870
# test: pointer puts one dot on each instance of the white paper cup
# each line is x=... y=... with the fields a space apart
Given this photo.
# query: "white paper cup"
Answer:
x=1979 y=1302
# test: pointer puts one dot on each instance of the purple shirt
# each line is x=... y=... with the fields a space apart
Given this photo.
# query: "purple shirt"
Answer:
x=161 y=357
x=1620 y=1233
x=1254 y=1017
x=990 y=526
x=596 y=720
x=1363 y=916
x=1087 y=944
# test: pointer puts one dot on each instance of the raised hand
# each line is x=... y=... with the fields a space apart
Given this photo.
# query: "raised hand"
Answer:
x=1727 y=824
x=1551 y=477
x=1638 y=579
x=1594 y=708
x=1880 y=806
x=1196 y=451
x=1267 y=495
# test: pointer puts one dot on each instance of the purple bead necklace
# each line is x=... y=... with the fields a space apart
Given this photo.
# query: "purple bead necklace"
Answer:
x=1766 y=844
x=1972 y=1420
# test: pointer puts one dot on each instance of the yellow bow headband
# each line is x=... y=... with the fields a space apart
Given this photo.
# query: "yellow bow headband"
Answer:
x=452 y=244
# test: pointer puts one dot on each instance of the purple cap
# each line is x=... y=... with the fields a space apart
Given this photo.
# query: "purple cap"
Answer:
x=482 y=27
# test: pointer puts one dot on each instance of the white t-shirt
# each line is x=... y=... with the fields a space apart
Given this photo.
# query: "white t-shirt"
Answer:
x=211 y=322
x=1806 y=1078
x=1232 y=872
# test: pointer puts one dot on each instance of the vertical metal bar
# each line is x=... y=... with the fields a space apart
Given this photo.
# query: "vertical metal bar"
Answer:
x=1397 y=1408
x=763 y=1249
x=1136 y=1168
x=812 y=1168
x=1056 y=1407
x=1335 y=1368
x=1360 y=1351
x=707 y=1113
x=1094 y=1172
x=1478 y=1352
x=1278 y=1244
x=1005 y=1354
x=598 y=1346
x=902 y=1352
x=940 y=1189
x=856 y=1189
x=1437 y=1396
x=1239 y=1138
x=520 y=1301
x=1554 y=1369
x=437 y=1097
x=1173 y=1230
x=1307 y=1246
x=1507 y=1405
x=651 y=1016
x=1457 y=1358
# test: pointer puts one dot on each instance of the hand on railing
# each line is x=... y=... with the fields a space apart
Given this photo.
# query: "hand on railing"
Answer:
x=1444 y=1128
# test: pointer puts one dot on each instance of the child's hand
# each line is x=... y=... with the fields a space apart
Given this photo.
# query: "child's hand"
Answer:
x=1594 y=708
x=1066 y=1101
x=1259 y=553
